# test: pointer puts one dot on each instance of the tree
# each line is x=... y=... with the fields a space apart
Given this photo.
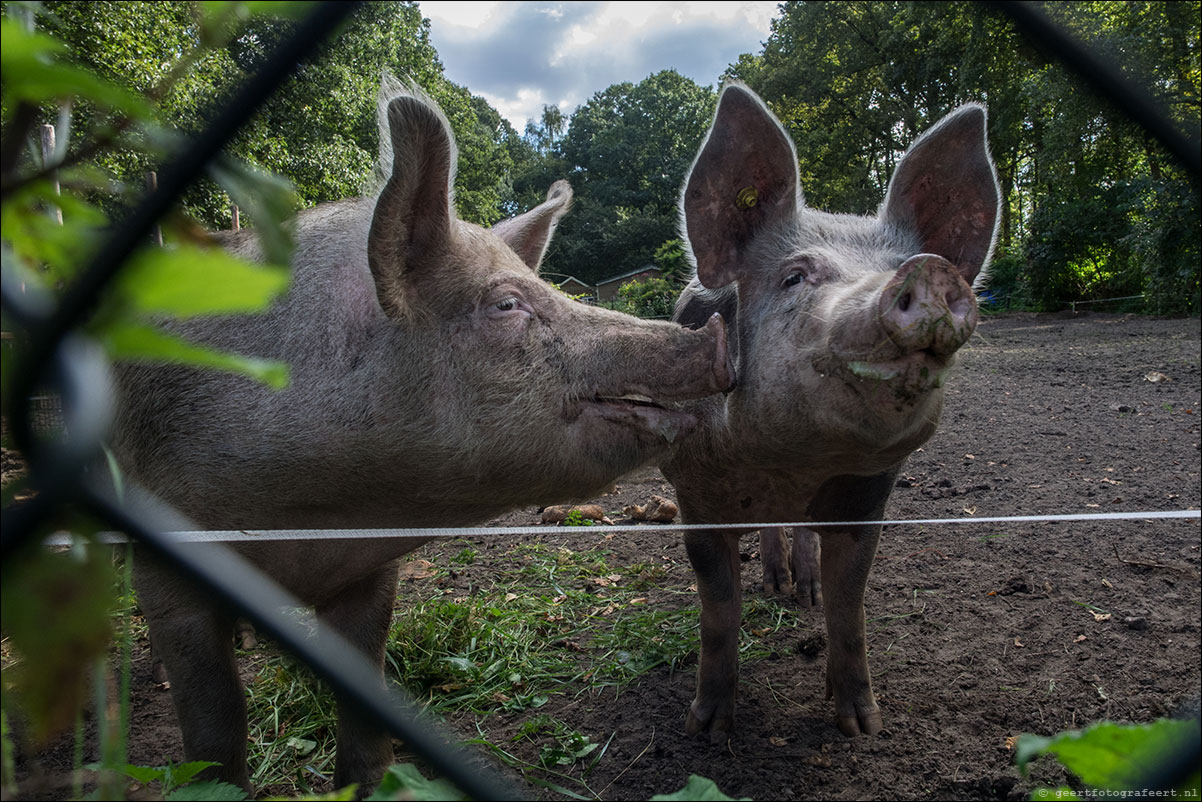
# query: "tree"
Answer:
x=319 y=130
x=627 y=151
x=674 y=267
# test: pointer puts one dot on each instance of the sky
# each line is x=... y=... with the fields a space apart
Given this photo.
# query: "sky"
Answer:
x=520 y=56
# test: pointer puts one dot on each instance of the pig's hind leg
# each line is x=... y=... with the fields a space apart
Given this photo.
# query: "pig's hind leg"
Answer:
x=362 y=614
x=776 y=561
x=791 y=570
x=807 y=575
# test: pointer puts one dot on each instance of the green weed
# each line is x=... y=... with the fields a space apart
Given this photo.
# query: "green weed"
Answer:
x=1117 y=760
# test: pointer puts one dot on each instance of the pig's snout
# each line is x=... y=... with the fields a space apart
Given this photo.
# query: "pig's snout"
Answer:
x=927 y=306
x=723 y=368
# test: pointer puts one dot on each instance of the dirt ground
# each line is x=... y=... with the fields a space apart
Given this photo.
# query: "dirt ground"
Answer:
x=976 y=633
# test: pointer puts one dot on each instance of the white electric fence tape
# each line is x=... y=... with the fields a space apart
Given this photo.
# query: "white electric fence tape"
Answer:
x=266 y=535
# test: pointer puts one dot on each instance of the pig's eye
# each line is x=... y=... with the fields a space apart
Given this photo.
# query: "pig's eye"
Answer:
x=795 y=278
x=508 y=307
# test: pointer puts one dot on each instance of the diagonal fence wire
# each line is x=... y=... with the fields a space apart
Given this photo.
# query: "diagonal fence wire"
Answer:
x=59 y=357
x=1105 y=76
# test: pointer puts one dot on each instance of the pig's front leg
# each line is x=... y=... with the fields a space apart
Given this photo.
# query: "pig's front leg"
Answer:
x=846 y=559
x=715 y=559
x=362 y=614
x=847 y=556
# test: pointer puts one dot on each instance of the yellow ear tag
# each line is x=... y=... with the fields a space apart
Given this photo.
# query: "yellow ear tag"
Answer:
x=747 y=198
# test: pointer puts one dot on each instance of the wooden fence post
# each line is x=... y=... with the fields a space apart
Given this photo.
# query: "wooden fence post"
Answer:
x=47 y=156
x=152 y=184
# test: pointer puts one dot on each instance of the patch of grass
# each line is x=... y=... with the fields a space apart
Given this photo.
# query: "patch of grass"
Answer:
x=293 y=724
x=559 y=744
x=553 y=621
x=554 y=618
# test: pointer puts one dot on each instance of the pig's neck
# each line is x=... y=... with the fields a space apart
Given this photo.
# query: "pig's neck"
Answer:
x=772 y=477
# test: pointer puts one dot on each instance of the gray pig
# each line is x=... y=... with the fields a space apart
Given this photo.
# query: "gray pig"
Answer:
x=436 y=381
x=843 y=330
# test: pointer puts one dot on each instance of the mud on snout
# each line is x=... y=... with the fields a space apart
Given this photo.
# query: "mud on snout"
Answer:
x=921 y=318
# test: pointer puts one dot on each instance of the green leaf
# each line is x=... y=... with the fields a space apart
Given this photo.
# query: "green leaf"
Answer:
x=19 y=47
x=142 y=774
x=127 y=340
x=56 y=609
x=184 y=772
x=216 y=791
x=1115 y=757
x=302 y=746
x=697 y=788
x=462 y=663
x=188 y=280
x=346 y=794
x=268 y=199
x=406 y=778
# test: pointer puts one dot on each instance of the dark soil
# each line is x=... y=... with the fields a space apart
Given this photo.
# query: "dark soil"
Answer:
x=976 y=633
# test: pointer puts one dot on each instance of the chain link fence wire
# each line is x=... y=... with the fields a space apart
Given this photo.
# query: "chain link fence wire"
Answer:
x=57 y=362
x=57 y=357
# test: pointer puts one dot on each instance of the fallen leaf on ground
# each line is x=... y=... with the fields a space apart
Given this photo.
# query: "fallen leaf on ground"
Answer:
x=658 y=509
x=417 y=569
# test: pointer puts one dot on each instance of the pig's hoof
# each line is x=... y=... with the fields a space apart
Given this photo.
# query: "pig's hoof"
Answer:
x=808 y=592
x=776 y=584
x=158 y=672
x=864 y=722
x=698 y=723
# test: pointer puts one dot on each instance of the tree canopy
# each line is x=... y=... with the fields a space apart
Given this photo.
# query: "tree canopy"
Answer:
x=319 y=129
x=1093 y=207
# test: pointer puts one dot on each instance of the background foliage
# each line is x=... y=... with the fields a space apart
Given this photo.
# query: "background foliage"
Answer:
x=1094 y=208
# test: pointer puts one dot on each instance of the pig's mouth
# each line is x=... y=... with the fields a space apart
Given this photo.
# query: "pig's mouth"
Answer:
x=639 y=412
x=915 y=372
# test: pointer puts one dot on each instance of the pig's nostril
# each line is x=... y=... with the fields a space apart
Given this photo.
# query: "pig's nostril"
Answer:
x=903 y=302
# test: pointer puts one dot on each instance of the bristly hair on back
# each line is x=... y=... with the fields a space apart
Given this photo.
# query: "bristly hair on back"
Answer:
x=392 y=87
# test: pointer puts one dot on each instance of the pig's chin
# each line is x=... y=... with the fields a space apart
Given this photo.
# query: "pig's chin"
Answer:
x=639 y=417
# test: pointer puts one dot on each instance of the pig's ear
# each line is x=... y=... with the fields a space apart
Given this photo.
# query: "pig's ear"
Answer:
x=410 y=229
x=744 y=180
x=946 y=190
x=528 y=234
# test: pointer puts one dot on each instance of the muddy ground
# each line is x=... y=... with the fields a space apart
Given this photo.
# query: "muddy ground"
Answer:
x=976 y=633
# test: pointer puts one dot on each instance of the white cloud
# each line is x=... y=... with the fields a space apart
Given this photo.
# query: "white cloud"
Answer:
x=465 y=15
x=523 y=55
